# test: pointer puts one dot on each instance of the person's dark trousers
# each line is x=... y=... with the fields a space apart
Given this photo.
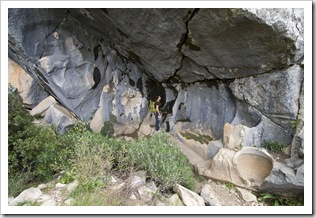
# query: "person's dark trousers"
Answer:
x=157 y=121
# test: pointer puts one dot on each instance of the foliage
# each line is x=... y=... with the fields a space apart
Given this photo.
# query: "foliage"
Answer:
x=91 y=158
x=18 y=182
x=161 y=158
x=35 y=153
x=230 y=185
x=108 y=127
x=294 y=123
x=203 y=139
x=276 y=200
x=94 y=196
x=28 y=203
x=67 y=177
x=273 y=146
x=33 y=149
x=38 y=153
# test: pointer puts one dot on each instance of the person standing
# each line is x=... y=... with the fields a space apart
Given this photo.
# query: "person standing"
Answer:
x=157 y=112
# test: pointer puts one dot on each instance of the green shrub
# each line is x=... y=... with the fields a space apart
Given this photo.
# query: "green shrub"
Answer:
x=91 y=194
x=108 y=127
x=230 y=185
x=35 y=153
x=91 y=158
x=273 y=146
x=277 y=200
x=161 y=158
x=295 y=123
x=18 y=182
x=203 y=139
x=86 y=156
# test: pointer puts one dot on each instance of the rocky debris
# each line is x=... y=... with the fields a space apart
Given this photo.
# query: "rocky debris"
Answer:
x=47 y=200
x=229 y=196
x=53 y=197
x=246 y=195
x=147 y=192
x=248 y=167
x=207 y=193
x=175 y=200
x=137 y=179
x=42 y=107
x=188 y=197
x=138 y=192
x=29 y=195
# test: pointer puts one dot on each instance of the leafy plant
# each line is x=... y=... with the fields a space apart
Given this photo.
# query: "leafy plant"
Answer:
x=273 y=146
x=277 y=200
x=94 y=196
x=37 y=154
x=203 y=139
x=162 y=159
x=28 y=203
x=18 y=182
x=294 y=123
x=108 y=127
x=230 y=185
x=91 y=159
x=31 y=148
x=67 y=177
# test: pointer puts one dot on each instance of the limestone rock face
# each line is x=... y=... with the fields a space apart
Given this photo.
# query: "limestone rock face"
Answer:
x=211 y=67
x=206 y=107
x=275 y=95
x=234 y=43
x=30 y=92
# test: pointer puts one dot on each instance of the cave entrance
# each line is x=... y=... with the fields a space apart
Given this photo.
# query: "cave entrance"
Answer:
x=154 y=89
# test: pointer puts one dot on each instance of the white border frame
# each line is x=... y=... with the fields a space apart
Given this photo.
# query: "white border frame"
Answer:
x=306 y=209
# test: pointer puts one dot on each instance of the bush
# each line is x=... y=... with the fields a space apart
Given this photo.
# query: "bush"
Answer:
x=277 y=200
x=18 y=182
x=37 y=151
x=161 y=158
x=108 y=127
x=273 y=146
x=91 y=158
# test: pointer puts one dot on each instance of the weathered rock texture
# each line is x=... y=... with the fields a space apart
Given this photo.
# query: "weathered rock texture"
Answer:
x=29 y=91
x=242 y=67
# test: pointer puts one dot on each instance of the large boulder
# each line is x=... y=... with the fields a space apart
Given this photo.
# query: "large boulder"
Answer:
x=30 y=195
x=188 y=197
x=60 y=117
